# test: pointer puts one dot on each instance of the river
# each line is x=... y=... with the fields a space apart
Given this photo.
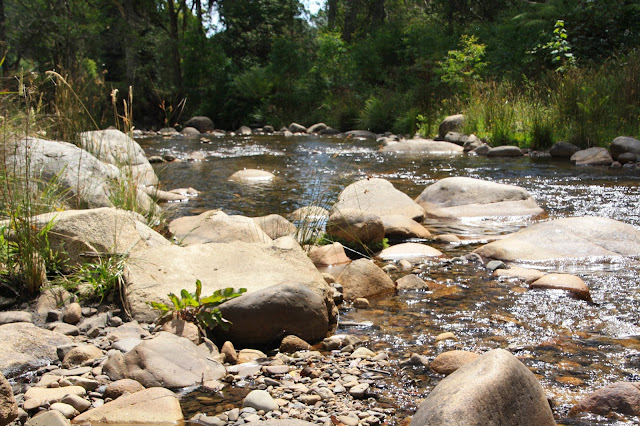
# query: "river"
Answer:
x=573 y=347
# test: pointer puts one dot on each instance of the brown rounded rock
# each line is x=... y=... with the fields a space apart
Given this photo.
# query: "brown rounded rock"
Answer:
x=567 y=282
x=291 y=344
x=448 y=362
x=81 y=354
x=120 y=387
x=229 y=353
x=72 y=313
x=621 y=397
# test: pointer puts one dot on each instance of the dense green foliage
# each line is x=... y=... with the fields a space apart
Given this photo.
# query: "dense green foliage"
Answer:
x=526 y=72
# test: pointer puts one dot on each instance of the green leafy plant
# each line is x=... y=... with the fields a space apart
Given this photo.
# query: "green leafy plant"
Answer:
x=463 y=66
x=202 y=311
x=558 y=48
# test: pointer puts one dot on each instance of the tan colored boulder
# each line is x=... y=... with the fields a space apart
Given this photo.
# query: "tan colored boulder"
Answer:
x=52 y=395
x=496 y=388
x=252 y=176
x=527 y=275
x=409 y=251
x=567 y=238
x=229 y=353
x=120 y=387
x=165 y=360
x=457 y=197
x=275 y=226
x=330 y=254
x=619 y=397
x=48 y=418
x=363 y=278
x=215 y=226
x=448 y=362
x=8 y=405
x=150 y=406
x=422 y=147
x=24 y=344
x=379 y=197
x=183 y=328
x=411 y=282
x=72 y=313
x=310 y=214
x=595 y=156
x=248 y=355
x=291 y=344
x=566 y=282
x=403 y=227
x=81 y=354
x=356 y=226
x=505 y=151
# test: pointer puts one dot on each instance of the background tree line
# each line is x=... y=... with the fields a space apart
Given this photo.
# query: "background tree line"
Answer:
x=384 y=65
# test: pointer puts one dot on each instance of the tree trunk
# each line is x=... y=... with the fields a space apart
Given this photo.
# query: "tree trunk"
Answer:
x=350 y=15
x=175 y=49
x=377 y=13
x=332 y=10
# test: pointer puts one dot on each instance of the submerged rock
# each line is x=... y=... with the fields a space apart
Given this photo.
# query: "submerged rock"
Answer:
x=457 y=197
x=567 y=238
x=496 y=388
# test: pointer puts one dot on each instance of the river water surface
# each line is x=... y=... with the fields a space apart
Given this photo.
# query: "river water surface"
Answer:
x=573 y=347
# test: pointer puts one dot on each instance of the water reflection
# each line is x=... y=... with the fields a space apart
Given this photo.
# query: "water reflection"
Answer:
x=572 y=346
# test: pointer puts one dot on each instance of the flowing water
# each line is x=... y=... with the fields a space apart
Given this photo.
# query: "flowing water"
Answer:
x=572 y=346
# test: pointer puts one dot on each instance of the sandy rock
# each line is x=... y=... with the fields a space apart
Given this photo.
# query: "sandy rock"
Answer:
x=72 y=313
x=317 y=128
x=78 y=403
x=363 y=278
x=297 y=128
x=379 y=197
x=567 y=238
x=165 y=360
x=527 y=275
x=445 y=336
x=229 y=353
x=248 y=355
x=52 y=395
x=468 y=197
x=448 y=362
x=65 y=409
x=330 y=254
x=361 y=303
x=120 y=387
x=275 y=226
x=8 y=317
x=291 y=344
x=356 y=226
x=260 y=400
x=592 y=157
x=81 y=354
x=114 y=147
x=310 y=214
x=150 y=406
x=505 y=151
x=567 y=282
x=402 y=227
x=411 y=282
x=215 y=226
x=8 y=405
x=252 y=176
x=620 y=397
x=183 y=328
x=244 y=131
x=48 y=418
x=189 y=131
x=24 y=344
x=408 y=251
x=496 y=388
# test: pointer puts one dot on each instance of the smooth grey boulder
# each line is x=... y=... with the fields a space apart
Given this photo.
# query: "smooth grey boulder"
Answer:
x=356 y=226
x=505 y=151
x=8 y=317
x=83 y=178
x=215 y=226
x=157 y=406
x=377 y=196
x=363 y=278
x=422 y=147
x=592 y=157
x=297 y=128
x=220 y=265
x=244 y=131
x=202 y=123
x=111 y=146
x=494 y=389
x=457 y=197
x=264 y=317
x=563 y=150
x=452 y=123
x=78 y=233
x=624 y=144
x=166 y=360
x=317 y=128
x=25 y=345
x=189 y=131
x=567 y=238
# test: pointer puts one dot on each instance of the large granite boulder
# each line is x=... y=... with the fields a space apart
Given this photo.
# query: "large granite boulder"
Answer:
x=83 y=178
x=592 y=157
x=494 y=389
x=215 y=226
x=567 y=238
x=624 y=144
x=25 y=345
x=356 y=227
x=422 y=147
x=218 y=265
x=78 y=233
x=403 y=227
x=377 y=196
x=408 y=251
x=363 y=278
x=200 y=122
x=452 y=123
x=275 y=226
x=111 y=146
x=156 y=406
x=165 y=360
x=263 y=317
x=457 y=197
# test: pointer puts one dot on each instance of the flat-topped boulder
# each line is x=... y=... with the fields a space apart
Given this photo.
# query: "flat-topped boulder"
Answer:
x=215 y=226
x=422 y=147
x=156 y=272
x=505 y=151
x=595 y=156
x=249 y=176
x=408 y=251
x=457 y=197
x=567 y=238
x=377 y=196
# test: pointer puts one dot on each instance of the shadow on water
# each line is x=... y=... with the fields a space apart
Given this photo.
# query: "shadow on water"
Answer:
x=573 y=347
